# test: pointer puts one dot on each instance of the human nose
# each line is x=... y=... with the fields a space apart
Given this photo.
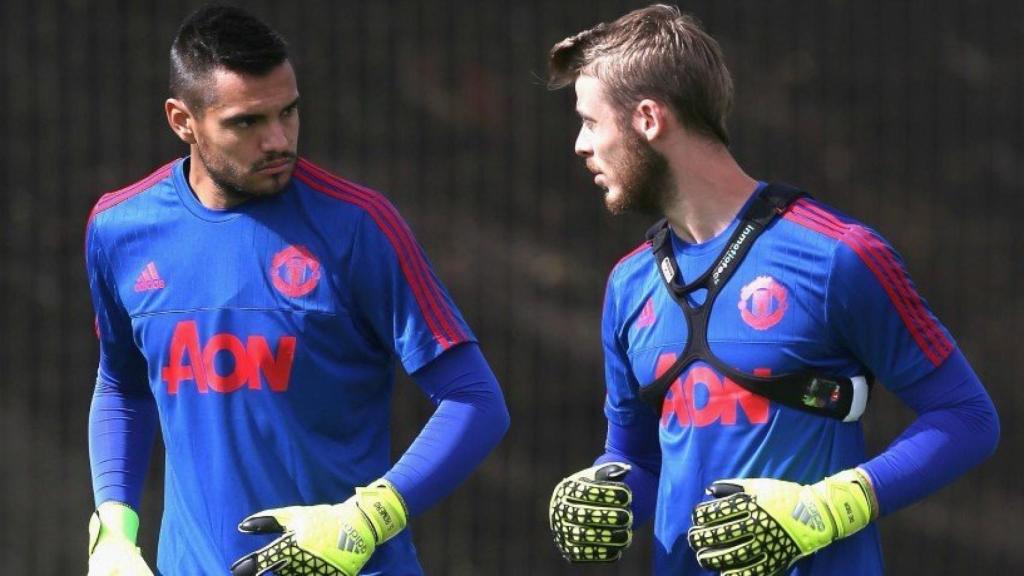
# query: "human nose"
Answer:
x=583 y=147
x=275 y=138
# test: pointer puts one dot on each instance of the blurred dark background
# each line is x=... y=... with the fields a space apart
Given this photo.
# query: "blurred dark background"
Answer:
x=905 y=114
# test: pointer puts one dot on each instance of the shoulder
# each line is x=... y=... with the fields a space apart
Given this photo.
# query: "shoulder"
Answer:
x=372 y=220
x=334 y=193
x=629 y=277
x=826 y=222
x=115 y=213
x=635 y=262
x=848 y=238
x=334 y=189
x=116 y=200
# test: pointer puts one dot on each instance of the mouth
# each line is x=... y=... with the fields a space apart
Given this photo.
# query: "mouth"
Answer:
x=276 y=167
x=599 y=178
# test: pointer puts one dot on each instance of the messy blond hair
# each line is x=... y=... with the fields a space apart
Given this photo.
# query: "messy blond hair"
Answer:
x=658 y=53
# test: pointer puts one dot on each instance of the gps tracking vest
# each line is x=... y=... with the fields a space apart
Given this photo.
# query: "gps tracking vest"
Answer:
x=840 y=398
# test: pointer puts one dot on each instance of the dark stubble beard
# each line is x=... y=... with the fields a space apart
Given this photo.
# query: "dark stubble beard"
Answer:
x=644 y=177
x=229 y=178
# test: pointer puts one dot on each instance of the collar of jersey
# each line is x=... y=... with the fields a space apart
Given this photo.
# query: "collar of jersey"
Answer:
x=192 y=203
x=715 y=243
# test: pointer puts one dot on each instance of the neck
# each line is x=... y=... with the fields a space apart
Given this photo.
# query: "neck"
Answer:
x=709 y=190
x=205 y=189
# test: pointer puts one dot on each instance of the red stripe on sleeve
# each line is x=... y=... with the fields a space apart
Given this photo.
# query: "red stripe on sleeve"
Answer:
x=445 y=329
x=795 y=214
x=842 y=232
x=114 y=198
x=436 y=300
x=413 y=280
x=632 y=253
x=808 y=221
x=644 y=246
x=891 y=276
x=887 y=262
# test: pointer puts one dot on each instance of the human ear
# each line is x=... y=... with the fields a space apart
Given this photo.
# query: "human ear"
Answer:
x=181 y=120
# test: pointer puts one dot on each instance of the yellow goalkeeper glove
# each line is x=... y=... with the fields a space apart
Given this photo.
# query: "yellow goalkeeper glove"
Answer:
x=590 y=516
x=761 y=526
x=324 y=540
x=112 y=551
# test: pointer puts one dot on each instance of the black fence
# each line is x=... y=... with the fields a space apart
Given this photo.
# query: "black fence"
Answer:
x=908 y=115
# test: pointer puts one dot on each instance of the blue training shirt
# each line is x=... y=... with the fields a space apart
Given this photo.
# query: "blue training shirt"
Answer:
x=817 y=290
x=266 y=335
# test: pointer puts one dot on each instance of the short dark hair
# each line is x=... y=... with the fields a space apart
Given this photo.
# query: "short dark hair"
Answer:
x=655 y=52
x=220 y=35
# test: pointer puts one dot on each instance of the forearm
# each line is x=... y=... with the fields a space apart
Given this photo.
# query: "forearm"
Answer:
x=638 y=446
x=121 y=432
x=957 y=427
x=470 y=419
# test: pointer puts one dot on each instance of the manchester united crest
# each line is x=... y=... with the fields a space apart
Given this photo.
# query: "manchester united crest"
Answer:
x=763 y=303
x=295 y=271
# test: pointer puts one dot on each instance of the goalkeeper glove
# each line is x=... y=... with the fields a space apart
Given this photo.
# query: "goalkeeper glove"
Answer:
x=590 y=516
x=760 y=527
x=324 y=540
x=112 y=551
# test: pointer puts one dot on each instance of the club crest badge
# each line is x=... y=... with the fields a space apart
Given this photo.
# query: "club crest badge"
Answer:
x=294 y=271
x=763 y=303
x=646 y=317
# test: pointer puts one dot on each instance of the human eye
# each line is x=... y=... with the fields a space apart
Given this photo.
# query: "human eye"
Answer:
x=291 y=110
x=241 y=122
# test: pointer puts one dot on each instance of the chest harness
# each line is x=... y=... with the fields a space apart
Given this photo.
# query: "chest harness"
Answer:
x=835 y=397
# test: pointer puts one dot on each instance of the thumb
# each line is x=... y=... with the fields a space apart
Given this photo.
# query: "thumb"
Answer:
x=247 y=566
x=250 y=566
x=612 y=472
x=723 y=488
x=271 y=521
x=260 y=525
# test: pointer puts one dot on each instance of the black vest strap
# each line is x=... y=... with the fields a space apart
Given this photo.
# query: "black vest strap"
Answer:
x=834 y=397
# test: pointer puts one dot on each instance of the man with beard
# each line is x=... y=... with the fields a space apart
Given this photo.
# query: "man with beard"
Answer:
x=737 y=338
x=252 y=305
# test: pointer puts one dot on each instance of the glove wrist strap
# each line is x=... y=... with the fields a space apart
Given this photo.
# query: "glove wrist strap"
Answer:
x=113 y=520
x=848 y=500
x=864 y=481
x=384 y=508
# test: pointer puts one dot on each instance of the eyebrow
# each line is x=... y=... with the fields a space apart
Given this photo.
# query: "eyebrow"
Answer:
x=252 y=117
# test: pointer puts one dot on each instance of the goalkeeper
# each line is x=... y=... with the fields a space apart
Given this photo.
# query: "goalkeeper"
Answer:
x=253 y=306
x=743 y=286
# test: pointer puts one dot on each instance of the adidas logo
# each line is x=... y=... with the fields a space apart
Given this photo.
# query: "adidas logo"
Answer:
x=350 y=541
x=808 y=516
x=149 y=279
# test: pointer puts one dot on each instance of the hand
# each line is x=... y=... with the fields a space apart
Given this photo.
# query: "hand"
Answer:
x=590 y=516
x=324 y=540
x=112 y=551
x=761 y=527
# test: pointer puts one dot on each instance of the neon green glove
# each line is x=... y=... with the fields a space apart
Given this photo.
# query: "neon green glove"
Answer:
x=112 y=551
x=760 y=527
x=324 y=540
x=590 y=516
